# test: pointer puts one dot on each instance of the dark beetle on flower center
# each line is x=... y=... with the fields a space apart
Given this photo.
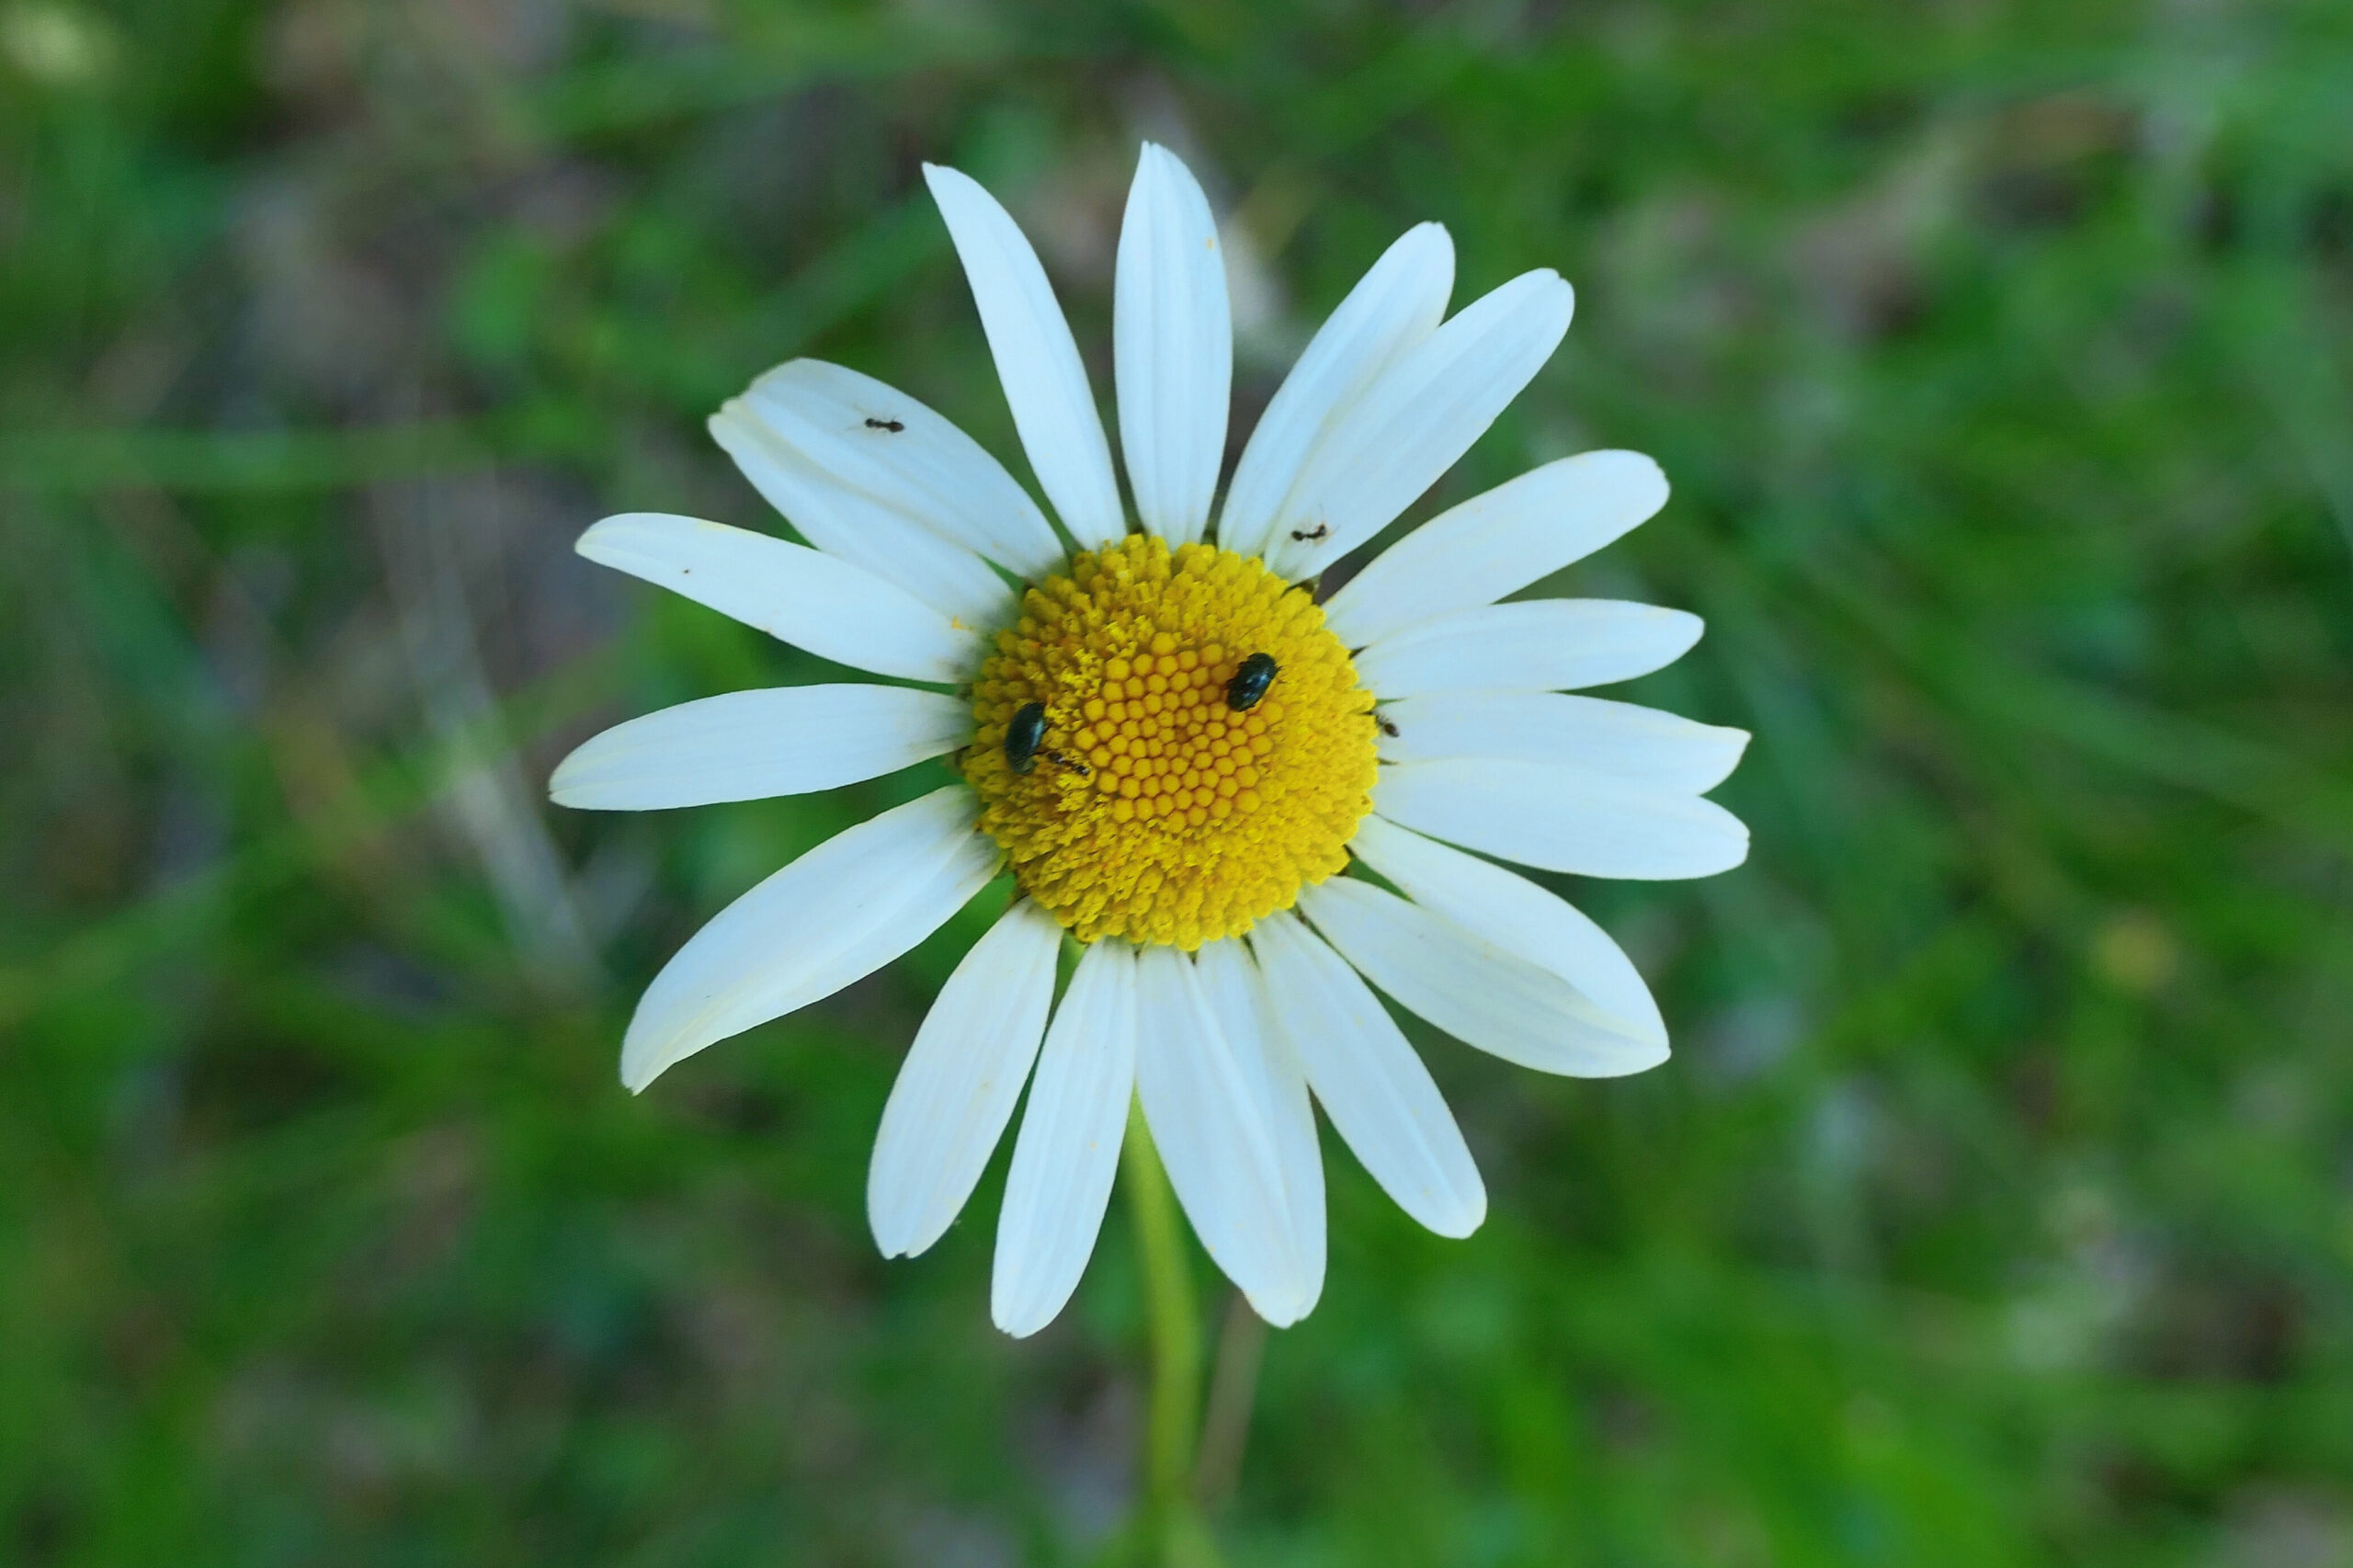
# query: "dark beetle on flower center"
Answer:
x=1250 y=682
x=1025 y=735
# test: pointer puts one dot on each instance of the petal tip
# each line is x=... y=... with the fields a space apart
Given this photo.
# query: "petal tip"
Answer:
x=947 y=181
x=1645 y=477
x=1018 y=1320
x=1455 y=1228
x=1280 y=1313
x=1464 y=1216
x=1651 y=1052
x=641 y=1066
x=593 y=540
x=1434 y=237
x=565 y=781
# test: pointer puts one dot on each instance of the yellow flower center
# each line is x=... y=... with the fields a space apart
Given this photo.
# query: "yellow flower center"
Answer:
x=1153 y=808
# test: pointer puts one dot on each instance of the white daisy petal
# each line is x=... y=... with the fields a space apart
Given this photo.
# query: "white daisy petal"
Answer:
x=1229 y=979
x=1498 y=543
x=835 y=916
x=1045 y=382
x=1621 y=740
x=954 y=885
x=1375 y=1089
x=1529 y=646
x=797 y=595
x=748 y=745
x=958 y=1086
x=1423 y=414
x=1562 y=819
x=1513 y=913
x=1482 y=994
x=1211 y=1113
x=853 y=527
x=874 y=438
x=1172 y=348
x=1069 y=1147
x=1393 y=307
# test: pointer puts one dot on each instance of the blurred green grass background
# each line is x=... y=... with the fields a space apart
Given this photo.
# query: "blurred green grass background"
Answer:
x=1997 y=1207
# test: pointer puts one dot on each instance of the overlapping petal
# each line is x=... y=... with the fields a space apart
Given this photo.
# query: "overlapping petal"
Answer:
x=1481 y=993
x=1618 y=740
x=872 y=437
x=958 y=1086
x=1037 y=360
x=1206 y=1098
x=748 y=745
x=835 y=916
x=1498 y=543
x=1069 y=1146
x=1562 y=819
x=1503 y=907
x=852 y=526
x=1529 y=646
x=1393 y=307
x=800 y=596
x=1236 y=993
x=1420 y=415
x=1368 y=1078
x=1172 y=348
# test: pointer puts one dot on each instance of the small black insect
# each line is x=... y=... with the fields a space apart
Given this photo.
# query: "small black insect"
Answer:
x=1250 y=682
x=892 y=425
x=1320 y=530
x=1386 y=727
x=1068 y=763
x=1025 y=735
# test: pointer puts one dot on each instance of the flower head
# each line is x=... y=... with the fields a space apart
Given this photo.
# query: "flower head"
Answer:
x=1176 y=751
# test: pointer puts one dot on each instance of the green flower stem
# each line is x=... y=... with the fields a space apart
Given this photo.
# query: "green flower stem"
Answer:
x=1234 y=1387
x=1172 y=1521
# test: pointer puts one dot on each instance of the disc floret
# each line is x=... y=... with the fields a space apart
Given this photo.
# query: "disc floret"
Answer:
x=1156 y=812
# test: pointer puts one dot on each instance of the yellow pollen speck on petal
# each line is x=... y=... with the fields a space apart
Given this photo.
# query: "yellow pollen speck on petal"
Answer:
x=1192 y=821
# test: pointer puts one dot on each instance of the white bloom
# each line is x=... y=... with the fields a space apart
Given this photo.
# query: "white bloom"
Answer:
x=1112 y=755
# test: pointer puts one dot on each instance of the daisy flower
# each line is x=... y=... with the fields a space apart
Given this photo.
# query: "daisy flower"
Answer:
x=1175 y=749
